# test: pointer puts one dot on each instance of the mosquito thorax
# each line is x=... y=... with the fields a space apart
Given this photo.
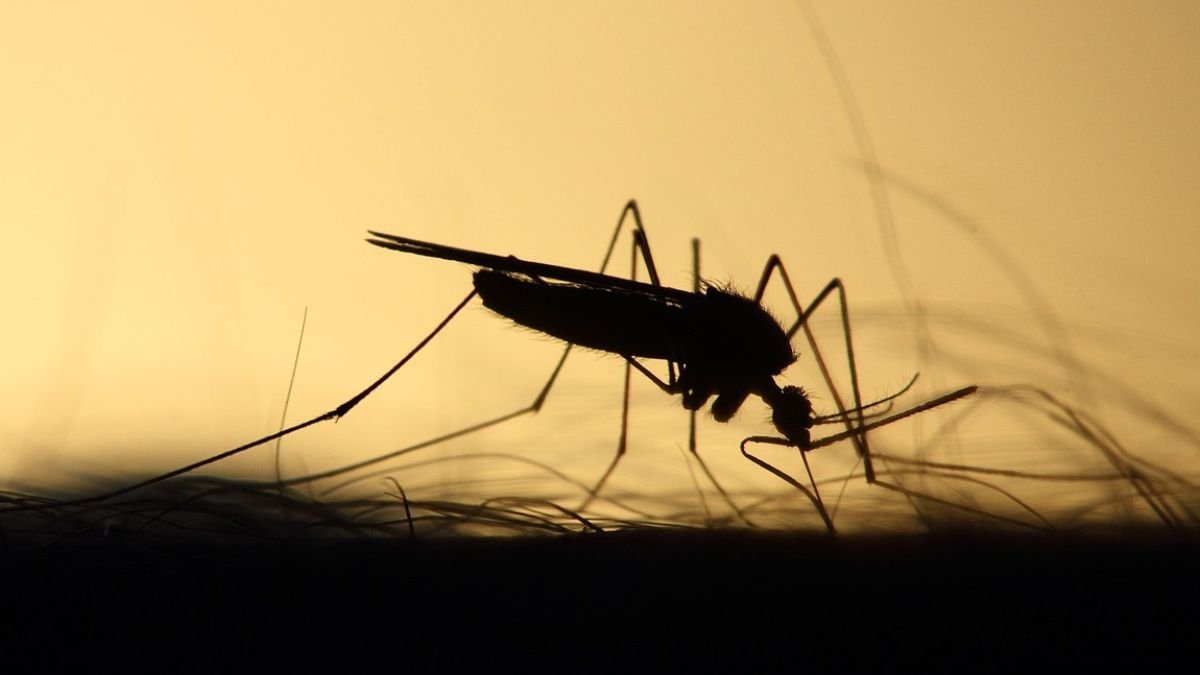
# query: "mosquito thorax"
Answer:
x=791 y=413
x=734 y=338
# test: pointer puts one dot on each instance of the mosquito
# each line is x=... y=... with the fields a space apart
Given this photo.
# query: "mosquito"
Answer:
x=718 y=344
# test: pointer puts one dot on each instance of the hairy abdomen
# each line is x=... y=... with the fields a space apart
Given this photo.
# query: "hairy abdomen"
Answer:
x=610 y=320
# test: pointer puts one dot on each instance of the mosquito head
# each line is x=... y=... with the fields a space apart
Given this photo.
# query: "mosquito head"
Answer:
x=791 y=413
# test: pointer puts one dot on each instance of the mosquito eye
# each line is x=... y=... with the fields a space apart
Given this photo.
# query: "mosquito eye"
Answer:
x=793 y=428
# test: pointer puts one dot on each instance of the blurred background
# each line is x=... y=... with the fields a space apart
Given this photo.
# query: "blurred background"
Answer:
x=1007 y=190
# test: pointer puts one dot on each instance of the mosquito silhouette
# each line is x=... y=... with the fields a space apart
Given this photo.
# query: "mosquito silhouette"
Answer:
x=718 y=345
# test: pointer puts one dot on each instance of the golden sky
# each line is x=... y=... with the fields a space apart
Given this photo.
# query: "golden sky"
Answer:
x=180 y=181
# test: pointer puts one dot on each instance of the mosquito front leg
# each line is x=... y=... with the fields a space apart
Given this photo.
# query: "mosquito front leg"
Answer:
x=803 y=314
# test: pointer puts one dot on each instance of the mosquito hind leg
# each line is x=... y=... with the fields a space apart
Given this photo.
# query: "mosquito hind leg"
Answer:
x=353 y=401
x=334 y=414
x=640 y=245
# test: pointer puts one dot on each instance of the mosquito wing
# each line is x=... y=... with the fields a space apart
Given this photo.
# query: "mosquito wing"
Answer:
x=517 y=266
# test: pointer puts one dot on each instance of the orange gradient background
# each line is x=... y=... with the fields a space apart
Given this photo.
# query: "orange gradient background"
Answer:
x=179 y=182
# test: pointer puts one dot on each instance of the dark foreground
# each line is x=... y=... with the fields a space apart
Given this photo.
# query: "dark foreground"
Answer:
x=703 y=600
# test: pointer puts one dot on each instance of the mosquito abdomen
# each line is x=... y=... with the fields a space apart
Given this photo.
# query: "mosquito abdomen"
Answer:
x=611 y=320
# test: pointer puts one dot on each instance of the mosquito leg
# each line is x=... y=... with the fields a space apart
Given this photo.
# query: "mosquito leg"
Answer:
x=801 y=323
x=349 y=405
x=640 y=248
x=640 y=245
x=640 y=240
x=670 y=387
x=334 y=414
x=915 y=498
x=692 y=444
